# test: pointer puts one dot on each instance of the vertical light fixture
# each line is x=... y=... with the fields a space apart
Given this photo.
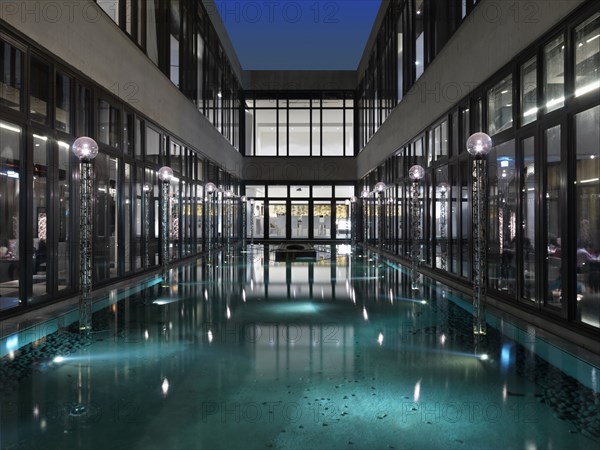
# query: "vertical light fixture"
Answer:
x=229 y=212
x=243 y=224
x=147 y=204
x=86 y=149
x=364 y=195
x=209 y=188
x=165 y=174
x=353 y=230
x=416 y=174
x=348 y=204
x=478 y=146
x=379 y=191
x=443 y=224
x=252 y=222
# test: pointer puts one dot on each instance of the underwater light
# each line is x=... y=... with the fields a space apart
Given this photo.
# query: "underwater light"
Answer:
x=210 y=336
x=58 y=359
x=380 y=339
x=423 y=302
x=228 y=313
x=365 y=315
x=12 y=343
x=483 y=356
x=165 y=386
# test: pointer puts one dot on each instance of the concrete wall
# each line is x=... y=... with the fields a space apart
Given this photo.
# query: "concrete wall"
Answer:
x=85 y=38
x=298 y=80
x=296 y=168
x=490 y=37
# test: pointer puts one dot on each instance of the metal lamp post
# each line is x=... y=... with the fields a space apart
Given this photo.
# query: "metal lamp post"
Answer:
x=209 y=188
x=353 y=230
x=478 y=146
x=165 y=174
x=252 y=222
x=243 y=205
x=364 y=195
x=229 y=211
x=379 y=190
x=86 y=149
x=443 y=224
x=416 y=174
x=147 y=202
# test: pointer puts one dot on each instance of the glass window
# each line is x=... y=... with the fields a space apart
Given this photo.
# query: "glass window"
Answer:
x=10 y=142
x=465 y=218
x=299 y=132
x=255 y=191
x=63 y=103
x=40 y=207
x=299 y=191
x=349 y=127
x=152 y=12
x=322 y=191
x=282 y=127
x=587 y=131
x=419 y=37
x=529 y=107
x=39 y=95
x=105 y=217
x=529 y=197
x=128 y=133
x=344 y=191
x=126 y=215
x=316 y=132
x=11 y=76
x=152 y=146
x=174 y=38
x=266 y=135
x=333 y=132
x=108 y=124
x=300 y=219
x=500 y=110
x=322 y=220
x=277 y=219
x=502 y=264
x=553 y=230
x=83 y=116
x=400 y=60
x=65 y=223
x=342 y=219
x=278 y=191
x=554 y=74
x=587 y=56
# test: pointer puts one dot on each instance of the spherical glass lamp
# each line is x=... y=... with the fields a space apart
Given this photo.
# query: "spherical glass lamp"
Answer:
x=416 y=173
x=210 y=187
x=353 y=199
x=479 y=145
x=85 y=148
x=165 y=174
x=243 y=198
x=364 y=193
x=444 y=187
x=147 y=187
x=380 y=187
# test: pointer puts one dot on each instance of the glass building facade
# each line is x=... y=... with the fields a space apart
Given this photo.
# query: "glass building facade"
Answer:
x=541 y=108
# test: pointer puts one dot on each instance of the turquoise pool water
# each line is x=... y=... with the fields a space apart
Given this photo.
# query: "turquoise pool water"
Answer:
x=240 y=351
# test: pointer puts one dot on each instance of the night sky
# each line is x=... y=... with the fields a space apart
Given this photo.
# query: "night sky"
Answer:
x=300 y=34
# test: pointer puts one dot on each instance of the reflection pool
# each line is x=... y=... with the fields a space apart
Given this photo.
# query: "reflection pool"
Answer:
x=240 y=351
